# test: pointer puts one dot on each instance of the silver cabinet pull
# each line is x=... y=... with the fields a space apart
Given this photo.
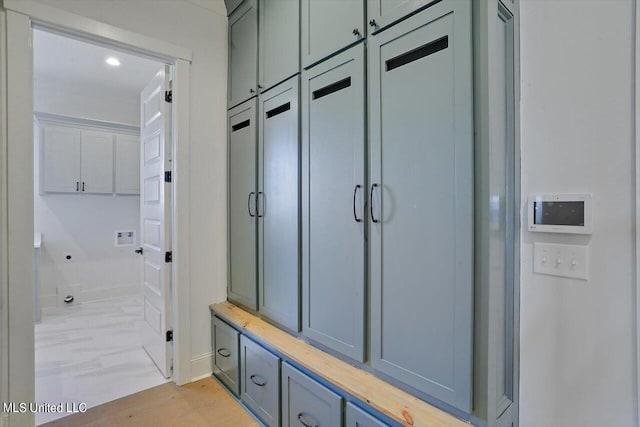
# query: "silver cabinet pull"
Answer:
x=302 y=418
x=373 y=218
x=224 y=352
x=264 y=205
x=249 y=204
x=256 y=382
x=355 y=191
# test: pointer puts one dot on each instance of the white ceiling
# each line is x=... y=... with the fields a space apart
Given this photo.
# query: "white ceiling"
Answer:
x=59 y=58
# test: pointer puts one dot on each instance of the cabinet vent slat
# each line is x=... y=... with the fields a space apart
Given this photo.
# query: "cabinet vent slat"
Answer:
x=417 y=53
x=333 y=87
x=279 y=110
x=240 y=125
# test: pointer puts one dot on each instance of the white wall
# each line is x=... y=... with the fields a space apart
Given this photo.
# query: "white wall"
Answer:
x=204 y=32
x=577 y=337
x=69 y=98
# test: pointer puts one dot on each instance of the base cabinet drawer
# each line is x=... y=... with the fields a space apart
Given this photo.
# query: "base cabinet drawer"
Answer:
x=226 y=354
x=260 y=385
x=356 y=417
x=307 y=403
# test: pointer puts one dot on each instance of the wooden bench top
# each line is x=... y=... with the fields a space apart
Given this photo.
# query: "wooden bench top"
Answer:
x=380 y=395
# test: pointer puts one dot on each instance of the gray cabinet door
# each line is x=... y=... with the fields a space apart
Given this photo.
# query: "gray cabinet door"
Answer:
x=226 y=357
x=279 y=204
x=333 y=196
x=243 y=284
x=306 y=402
x=279 y=53
x=232 y=5
x=421 y=173
x=328 y=26
x=243 y=52
x=382 y=13
x=260 y=381
x=356 y=417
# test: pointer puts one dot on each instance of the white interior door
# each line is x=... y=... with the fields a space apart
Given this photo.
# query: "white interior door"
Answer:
x=155 y=202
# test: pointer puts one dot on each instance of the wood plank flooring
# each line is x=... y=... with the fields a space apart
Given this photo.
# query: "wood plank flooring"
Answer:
x=202 y=403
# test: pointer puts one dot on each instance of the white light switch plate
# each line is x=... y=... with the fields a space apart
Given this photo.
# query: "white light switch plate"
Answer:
x=561 y=260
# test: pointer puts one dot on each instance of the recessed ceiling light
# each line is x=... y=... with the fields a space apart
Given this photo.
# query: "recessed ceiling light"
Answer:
x=113 y=61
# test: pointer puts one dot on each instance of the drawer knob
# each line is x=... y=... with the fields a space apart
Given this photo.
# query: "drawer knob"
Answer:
x=224 y=352
x=255 y=379
x=302 y=417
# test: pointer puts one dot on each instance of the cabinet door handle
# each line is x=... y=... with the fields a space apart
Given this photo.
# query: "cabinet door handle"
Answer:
x=251 y=91
x=224 y=352
x=373 y=218
x=256 y=382
x=82 y=185
x=356 y=32
x=373 y=23
x=249 y=204
x=302 y=418
x=77 y=185
x=355 y=191
x=264 y=204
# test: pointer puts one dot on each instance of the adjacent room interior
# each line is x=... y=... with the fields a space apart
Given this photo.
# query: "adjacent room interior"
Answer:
x=89 y=272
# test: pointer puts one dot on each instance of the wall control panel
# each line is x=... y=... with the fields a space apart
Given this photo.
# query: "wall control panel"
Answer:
x=560 y=213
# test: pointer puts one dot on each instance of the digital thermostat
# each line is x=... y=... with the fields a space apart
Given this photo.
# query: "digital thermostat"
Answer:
x=560 y=213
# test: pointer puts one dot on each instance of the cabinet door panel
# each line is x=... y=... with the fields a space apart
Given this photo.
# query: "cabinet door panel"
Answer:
x=356 y=417
x=279 y=41
x=261 y=381
x=334 y=190
x=226 y=355
x=386 y=12
x=279 y=204
x=422 y=177
x=127 y=167
x=328 y=26
x=96 y=160
x=243 y=284
x=60 y=159
x=243 y=52
x=307 y=402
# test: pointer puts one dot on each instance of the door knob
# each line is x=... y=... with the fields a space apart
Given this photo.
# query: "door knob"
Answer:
x=139 y=251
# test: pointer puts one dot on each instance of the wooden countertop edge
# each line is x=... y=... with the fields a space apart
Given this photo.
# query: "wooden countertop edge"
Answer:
x=384 y=397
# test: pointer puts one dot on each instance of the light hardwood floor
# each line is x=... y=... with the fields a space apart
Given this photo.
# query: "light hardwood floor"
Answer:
x=202 y=403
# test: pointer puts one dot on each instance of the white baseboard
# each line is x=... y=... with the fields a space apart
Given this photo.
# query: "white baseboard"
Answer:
x=48 y=302
x=201 y=366
x=116 y=291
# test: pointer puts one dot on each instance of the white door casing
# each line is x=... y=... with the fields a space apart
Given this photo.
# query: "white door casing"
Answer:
x=155 y=203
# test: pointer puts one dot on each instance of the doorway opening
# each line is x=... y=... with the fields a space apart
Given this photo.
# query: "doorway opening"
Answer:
x=102 y=204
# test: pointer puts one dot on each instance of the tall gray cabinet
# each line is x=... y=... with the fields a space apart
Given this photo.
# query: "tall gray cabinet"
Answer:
x=333 y=199
x=279 y=204
x=242 y=199
x=421 y=173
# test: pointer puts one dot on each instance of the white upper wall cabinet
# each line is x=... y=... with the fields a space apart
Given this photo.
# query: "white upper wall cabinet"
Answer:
x=243 y=53
x=127 y=166
x=96 y=162
x=279 y=41
x=329 y=26
x=60 y=159
x=82 y=158
x=382 y=13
